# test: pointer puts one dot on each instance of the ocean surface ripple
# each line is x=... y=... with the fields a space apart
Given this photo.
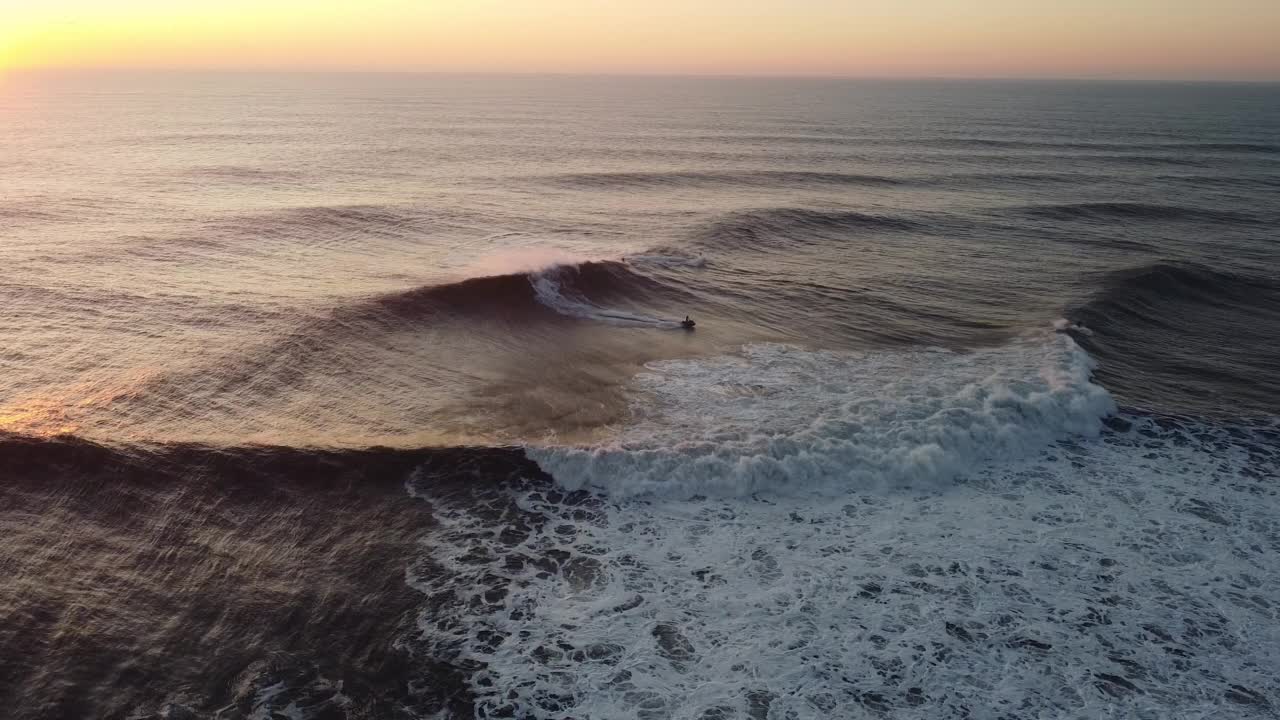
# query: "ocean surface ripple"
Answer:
x=368 y=396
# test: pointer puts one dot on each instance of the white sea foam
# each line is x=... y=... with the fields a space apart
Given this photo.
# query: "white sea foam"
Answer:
x=778 y=418
x=1066 y=574
x=1064 y=325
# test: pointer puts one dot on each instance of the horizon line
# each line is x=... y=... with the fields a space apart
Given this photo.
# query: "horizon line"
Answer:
x=640 y=74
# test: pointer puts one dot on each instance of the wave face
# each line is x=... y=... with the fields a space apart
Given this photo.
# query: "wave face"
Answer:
x=1197 y=332
x=569 y=289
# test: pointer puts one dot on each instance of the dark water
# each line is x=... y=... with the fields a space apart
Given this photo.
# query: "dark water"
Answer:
x=365 y=396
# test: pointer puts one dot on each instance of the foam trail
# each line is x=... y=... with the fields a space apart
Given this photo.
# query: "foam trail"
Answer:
x=781 y=419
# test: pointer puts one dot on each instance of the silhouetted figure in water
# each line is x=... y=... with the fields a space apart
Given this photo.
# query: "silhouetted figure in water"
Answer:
x=687 y=324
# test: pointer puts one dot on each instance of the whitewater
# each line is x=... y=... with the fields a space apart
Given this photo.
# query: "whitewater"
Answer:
x=785 y=533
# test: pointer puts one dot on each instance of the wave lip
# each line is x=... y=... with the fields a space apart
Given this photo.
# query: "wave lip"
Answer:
x=780 y=419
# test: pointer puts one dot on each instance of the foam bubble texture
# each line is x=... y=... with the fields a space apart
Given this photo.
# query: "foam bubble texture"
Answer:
x=780 y=419
x=1136 y=574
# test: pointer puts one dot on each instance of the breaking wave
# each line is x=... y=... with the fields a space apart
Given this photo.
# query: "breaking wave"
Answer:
x=781 y=419
x=576 y=290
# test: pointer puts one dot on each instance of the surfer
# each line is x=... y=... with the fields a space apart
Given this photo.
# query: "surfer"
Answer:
x=687 y=324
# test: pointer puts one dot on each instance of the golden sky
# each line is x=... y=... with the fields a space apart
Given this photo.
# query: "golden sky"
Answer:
x=1218 y=39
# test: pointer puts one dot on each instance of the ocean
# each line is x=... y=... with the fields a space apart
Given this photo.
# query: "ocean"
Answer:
x=366 y=396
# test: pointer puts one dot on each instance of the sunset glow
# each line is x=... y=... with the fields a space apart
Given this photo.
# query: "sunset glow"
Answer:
x=1235 y=39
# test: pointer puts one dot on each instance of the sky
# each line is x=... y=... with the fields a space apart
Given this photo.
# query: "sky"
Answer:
x=1157 y=39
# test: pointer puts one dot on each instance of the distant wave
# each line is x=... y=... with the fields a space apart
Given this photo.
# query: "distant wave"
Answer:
x=1062 y=157
x=978 y=142
x=332 y=225
x=667 y=258
x=186 y=139
x=238 y=235
x=1108 y=241
x=234 y=237
x=1261 y=148
x=1134 y=211
x=1224 y=181
x=247 y=174
x=1182 y=158
x=787 y=138
x=325 y=224
x=750 y=178
x=794 y=225
x=12 y=212
x=54 y=208
x=1012 y=178
x=1113 y=147
x=972 y=142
